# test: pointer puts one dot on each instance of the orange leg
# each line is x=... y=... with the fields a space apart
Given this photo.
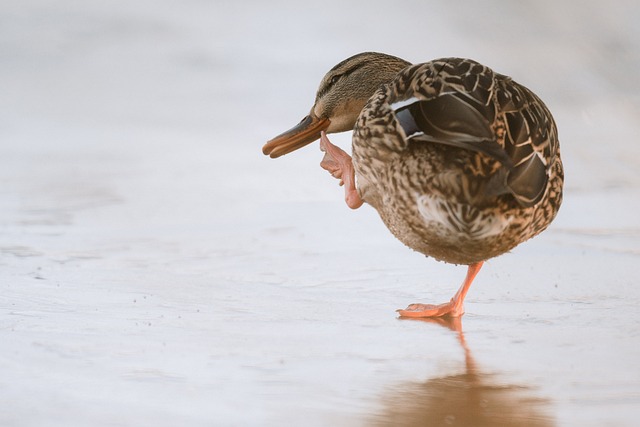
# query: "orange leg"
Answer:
x=340 y=166
x=453 y=308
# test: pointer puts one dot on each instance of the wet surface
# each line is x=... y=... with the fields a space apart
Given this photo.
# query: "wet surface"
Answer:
x=157 y=269
x=471 y=397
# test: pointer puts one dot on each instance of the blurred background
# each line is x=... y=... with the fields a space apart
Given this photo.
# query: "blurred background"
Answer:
x=155 y=267
x=237 y=73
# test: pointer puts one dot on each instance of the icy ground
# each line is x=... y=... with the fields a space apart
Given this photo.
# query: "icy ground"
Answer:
x=157 y=270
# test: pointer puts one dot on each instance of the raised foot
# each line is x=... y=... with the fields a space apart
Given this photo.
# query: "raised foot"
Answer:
x=340 y=166
x=449 y=309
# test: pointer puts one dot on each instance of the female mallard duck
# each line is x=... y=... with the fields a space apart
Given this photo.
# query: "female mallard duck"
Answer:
x=461 y=163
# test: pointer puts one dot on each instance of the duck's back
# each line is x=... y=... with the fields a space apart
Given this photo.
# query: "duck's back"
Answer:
x=462 y=163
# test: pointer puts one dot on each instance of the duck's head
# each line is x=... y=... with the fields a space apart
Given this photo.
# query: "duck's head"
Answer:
x=342 y=94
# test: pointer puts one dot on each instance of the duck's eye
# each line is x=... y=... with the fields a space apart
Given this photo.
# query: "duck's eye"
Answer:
x=334 y=79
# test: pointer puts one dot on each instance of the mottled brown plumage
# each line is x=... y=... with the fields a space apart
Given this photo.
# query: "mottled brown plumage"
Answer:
x=461 y=163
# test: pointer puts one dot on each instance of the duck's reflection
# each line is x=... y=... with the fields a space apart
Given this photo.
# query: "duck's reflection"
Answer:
x=472 y=398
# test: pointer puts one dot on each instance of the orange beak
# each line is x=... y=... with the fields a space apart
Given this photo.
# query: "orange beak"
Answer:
x=305 y=132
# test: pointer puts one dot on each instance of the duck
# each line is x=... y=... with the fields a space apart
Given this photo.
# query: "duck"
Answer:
x=461 y=163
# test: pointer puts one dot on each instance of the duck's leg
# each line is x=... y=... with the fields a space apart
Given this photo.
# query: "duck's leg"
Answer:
x=453 y=308
x=340 y=165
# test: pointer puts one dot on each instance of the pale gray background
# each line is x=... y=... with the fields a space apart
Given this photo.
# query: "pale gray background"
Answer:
x=156 y=269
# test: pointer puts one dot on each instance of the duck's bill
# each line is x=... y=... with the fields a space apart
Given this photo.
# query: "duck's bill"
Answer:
x=305 y=132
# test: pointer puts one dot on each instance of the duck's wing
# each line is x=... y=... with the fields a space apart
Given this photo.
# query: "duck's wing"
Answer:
x=463 y=104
